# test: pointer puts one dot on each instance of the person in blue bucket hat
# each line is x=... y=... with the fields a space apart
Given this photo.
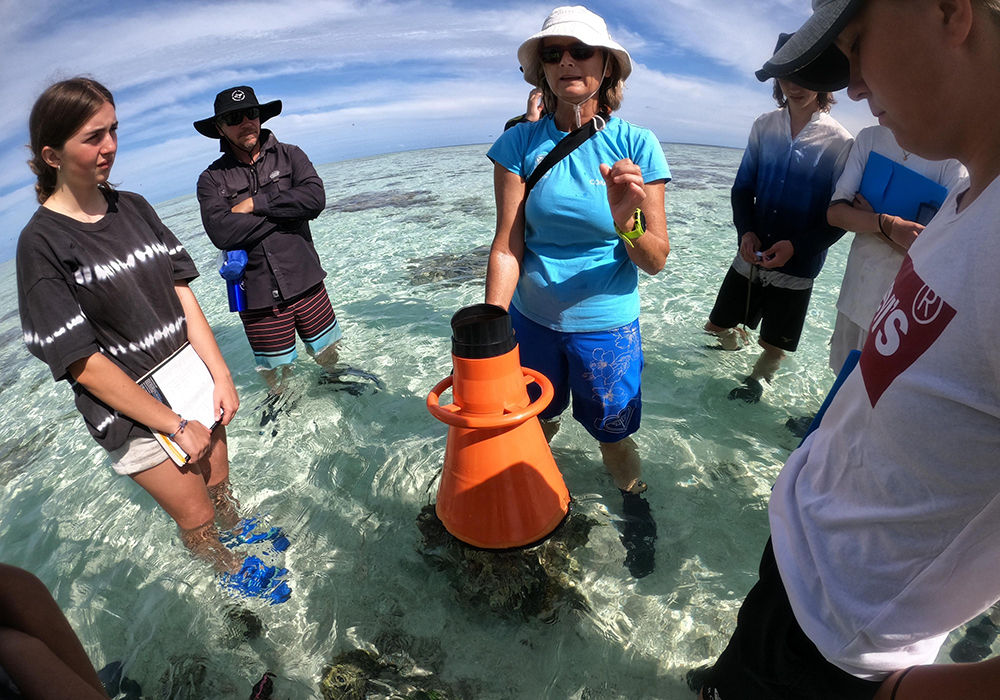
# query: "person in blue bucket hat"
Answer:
x=884 y=522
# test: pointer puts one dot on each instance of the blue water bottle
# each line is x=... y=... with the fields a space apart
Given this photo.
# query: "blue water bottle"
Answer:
x=237 y=295
x=232 y=263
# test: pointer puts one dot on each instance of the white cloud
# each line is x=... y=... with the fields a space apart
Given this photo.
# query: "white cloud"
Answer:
x=737 y=33
x=363 y=76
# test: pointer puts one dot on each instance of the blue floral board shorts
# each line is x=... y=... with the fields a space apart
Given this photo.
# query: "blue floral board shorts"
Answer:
x=600 y=370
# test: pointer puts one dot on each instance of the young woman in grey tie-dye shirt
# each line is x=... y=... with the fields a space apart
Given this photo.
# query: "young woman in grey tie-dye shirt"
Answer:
x=103 y=294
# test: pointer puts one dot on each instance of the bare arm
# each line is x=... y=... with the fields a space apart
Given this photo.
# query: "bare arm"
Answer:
x=203 y=341
x=944 y=682
x=649 y=252
x=507 y=251
x=861 y=218
x=626 y=192
x=107 y=382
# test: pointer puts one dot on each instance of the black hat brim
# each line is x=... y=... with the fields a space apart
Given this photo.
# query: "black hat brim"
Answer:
x=813 y=43
x=829 y=72
x=206 y=127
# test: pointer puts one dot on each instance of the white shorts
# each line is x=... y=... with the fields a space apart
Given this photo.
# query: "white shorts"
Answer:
x=137 y=455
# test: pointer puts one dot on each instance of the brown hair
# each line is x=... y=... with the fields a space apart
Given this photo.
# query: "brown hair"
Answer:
x=825 y=100
x=58 y=113
x=609 y=95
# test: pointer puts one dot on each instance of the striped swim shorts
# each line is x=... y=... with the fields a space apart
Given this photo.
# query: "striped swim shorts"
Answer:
x=271 y=331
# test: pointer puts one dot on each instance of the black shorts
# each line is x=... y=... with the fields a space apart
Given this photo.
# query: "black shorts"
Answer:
x=769 y=656
x=782 y=310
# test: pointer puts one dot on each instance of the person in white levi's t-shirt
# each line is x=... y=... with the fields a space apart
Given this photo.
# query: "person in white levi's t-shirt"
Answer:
x=884 y=522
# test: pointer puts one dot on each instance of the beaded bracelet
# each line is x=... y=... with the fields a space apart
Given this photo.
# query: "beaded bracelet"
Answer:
x=180 y=429
x=899 y=680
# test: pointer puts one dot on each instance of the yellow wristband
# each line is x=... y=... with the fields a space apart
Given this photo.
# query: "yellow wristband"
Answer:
x=638 y=228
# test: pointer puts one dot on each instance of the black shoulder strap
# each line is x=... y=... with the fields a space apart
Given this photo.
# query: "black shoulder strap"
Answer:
x=570 y=143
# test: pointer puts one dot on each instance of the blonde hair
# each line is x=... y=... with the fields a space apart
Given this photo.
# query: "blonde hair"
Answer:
x=609 y=95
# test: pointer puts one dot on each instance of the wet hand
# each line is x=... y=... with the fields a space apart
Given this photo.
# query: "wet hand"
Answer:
x=535 y=107
x=625 y=190
x=226 y=401
x=196 y=440
x=778 y=254
x=244 y=207
x=749 y=245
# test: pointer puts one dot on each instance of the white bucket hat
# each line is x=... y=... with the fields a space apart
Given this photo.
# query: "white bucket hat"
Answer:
x=581 y=24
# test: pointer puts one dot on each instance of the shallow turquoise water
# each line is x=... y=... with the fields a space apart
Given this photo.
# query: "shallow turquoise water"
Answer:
x=346 y=476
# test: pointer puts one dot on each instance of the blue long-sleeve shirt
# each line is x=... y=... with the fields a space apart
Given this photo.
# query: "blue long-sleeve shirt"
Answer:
x=784 y=185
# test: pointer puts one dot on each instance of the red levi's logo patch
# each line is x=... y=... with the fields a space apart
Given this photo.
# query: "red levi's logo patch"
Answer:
x=912 y=316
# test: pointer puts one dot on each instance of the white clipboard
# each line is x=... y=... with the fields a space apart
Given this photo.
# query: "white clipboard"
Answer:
x=183 y=383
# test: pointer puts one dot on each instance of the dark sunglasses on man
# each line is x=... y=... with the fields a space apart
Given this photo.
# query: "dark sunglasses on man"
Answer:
x=236 y=118
x=578 y=52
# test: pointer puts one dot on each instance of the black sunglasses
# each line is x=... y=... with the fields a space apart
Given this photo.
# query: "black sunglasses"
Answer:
x=236 y=118
x=554 y=54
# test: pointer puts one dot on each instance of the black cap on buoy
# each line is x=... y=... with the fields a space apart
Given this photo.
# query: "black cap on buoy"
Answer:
x=481 y=331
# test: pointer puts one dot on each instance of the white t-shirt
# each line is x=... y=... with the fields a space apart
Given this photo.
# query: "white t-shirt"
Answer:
x=886 y=522
x=873 y=263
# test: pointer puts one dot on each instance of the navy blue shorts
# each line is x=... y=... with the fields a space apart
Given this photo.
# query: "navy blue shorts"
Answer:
x=600 y=370
x=780 y=312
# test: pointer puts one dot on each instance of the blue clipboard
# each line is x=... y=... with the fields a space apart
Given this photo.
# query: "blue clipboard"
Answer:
x=894 y=189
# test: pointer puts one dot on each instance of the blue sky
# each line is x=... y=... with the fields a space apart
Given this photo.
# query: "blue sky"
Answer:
x=363 y=77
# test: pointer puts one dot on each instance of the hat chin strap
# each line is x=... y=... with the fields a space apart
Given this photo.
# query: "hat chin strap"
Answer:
x=235 y=145
x=576 y=105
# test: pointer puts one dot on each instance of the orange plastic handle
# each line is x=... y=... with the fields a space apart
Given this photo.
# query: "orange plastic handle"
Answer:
x=451 y=414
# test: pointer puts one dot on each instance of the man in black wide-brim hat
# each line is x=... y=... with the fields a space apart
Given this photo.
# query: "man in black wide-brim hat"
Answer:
x=259 y=196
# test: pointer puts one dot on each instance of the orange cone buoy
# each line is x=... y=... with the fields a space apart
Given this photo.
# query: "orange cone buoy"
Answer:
x=500 y=487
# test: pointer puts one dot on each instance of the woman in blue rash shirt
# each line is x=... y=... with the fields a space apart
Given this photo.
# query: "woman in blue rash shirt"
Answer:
x=565 y=258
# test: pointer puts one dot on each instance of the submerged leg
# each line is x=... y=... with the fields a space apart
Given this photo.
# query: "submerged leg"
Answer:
x=730 y=338
x=764 y=369
x=182 y=493
x=768 y=362
x=215 y=471
x=203 y=541
x=227 y=508
x=550 y=426
x=623 y=463
x=638 y=528
x=328 y=357
x=276 y=378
